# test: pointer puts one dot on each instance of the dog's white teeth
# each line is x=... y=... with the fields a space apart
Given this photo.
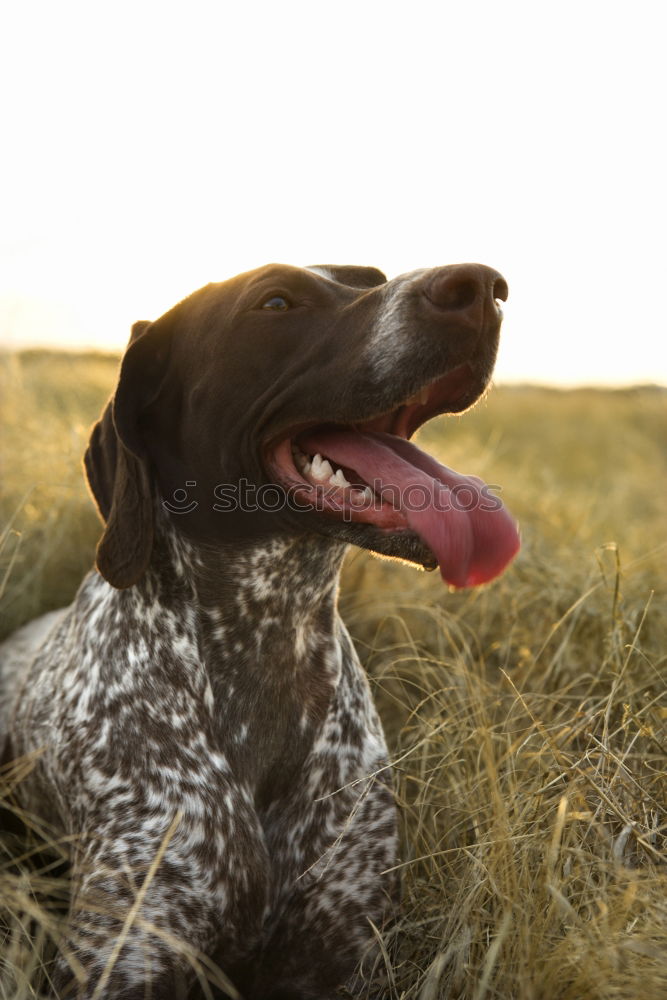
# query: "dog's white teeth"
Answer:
x=321 y=469
x=338 y=479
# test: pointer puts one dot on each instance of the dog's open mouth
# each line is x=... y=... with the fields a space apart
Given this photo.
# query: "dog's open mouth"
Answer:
x=369 y=472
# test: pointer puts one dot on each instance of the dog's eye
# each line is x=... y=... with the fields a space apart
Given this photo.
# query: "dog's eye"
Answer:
x=277 y=302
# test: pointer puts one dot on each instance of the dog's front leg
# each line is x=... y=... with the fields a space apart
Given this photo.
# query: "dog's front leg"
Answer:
x=147 y=907
x=343 y=886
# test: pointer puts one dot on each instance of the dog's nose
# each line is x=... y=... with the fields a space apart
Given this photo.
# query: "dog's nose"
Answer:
x=468 y=290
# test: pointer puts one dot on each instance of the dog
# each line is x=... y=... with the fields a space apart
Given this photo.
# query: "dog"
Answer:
x=203 y=732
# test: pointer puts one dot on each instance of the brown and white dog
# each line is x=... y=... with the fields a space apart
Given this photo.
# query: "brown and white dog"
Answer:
x=205 y=733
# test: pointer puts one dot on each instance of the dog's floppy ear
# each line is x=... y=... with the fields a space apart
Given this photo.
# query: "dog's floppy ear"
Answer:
x=356 y=277
x=117 y=464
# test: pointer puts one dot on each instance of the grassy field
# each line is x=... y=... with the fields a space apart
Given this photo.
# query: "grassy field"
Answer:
x=527 y=719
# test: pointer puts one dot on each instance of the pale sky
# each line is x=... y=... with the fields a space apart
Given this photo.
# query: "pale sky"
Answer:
x=149 y=148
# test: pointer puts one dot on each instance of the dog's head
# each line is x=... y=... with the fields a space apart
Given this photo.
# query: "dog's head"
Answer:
x=283 y=400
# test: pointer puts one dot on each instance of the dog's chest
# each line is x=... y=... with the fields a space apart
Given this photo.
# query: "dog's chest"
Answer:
x=292 y=709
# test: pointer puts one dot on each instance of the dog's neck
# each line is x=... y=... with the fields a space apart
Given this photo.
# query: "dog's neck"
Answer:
x=270 y=580
x=267 y=605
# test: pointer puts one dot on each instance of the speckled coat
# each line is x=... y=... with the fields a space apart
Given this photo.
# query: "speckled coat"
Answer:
x=243 y=715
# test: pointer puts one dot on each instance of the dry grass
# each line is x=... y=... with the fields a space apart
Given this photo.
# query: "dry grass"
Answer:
x=527 y=719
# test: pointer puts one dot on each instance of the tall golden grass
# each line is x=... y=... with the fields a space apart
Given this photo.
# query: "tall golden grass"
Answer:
x=527 y=719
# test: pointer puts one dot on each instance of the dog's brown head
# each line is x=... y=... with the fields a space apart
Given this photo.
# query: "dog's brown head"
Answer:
x=283 y=400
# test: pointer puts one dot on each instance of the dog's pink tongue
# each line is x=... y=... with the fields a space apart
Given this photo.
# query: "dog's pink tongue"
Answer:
x=468 y=530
